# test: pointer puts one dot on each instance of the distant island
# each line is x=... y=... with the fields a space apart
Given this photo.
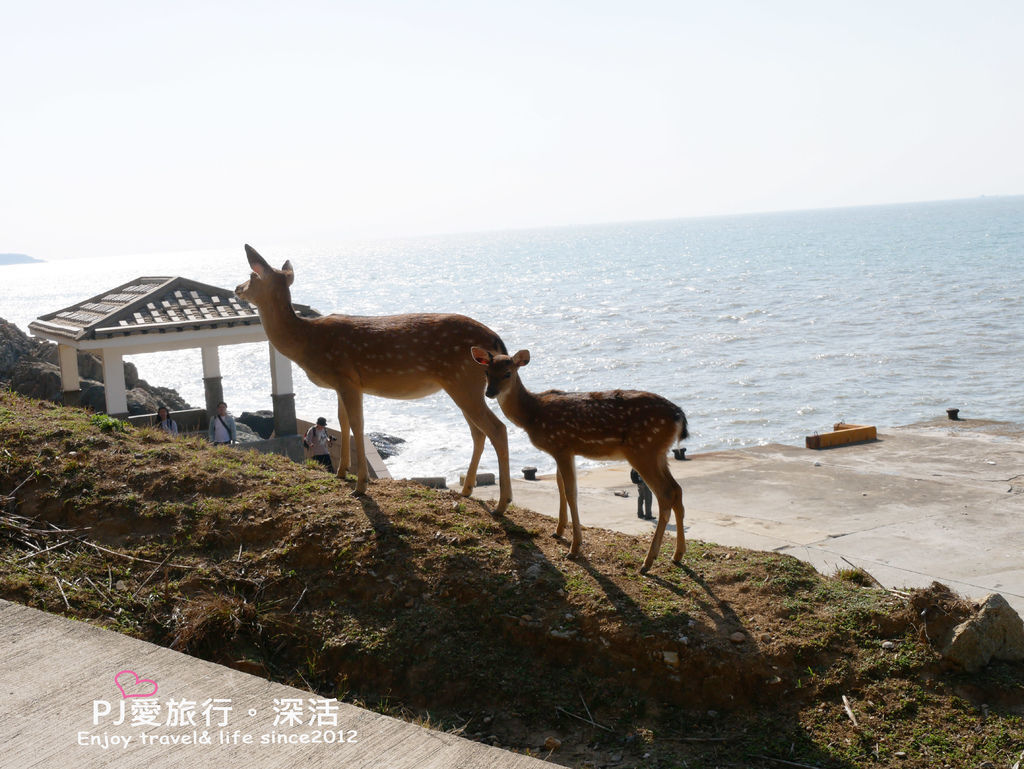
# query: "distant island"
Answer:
x=17 y=259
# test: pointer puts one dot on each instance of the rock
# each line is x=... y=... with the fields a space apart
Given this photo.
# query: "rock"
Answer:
x=533 y=572
x=552 y=744
x=994 y=632
x=671 y=659
x=36 y=379
x=14 y=345
x=165 y=396
x=245 y=434
x=386 y=445
x=261 y=422
x=888 y=645
x=738 y=637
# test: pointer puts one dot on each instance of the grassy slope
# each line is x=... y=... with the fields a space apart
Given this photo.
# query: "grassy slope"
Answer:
x=421 y=603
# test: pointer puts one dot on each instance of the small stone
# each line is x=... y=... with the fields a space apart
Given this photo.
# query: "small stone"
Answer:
x=888 y=645
x=552 y=744
x=900 y=754
x=738 y=637
x=766 y=638
x=120 y=585
x=671 y=658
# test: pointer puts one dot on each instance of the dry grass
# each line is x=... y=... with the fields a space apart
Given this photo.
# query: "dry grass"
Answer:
x=422 y=604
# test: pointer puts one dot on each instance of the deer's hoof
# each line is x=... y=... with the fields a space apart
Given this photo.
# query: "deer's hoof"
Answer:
x=644 y=569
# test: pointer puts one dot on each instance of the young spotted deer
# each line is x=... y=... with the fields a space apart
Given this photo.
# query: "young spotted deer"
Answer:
x=395 y=356
x=639 y=427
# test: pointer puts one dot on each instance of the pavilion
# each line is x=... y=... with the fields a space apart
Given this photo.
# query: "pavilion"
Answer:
x=158 y=314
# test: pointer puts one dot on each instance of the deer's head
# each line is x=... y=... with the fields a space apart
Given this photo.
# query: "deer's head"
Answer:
x=266 y=286
x=502 y=371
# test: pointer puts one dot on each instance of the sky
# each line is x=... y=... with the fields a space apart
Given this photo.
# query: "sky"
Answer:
x=143 y=127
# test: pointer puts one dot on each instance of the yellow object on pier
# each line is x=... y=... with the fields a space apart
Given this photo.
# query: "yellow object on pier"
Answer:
x=841 y=435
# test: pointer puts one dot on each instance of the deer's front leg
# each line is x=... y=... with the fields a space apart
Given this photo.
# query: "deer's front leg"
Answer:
x=567 y=472
x=346 y=439
x=353 y=404
x=562 y=518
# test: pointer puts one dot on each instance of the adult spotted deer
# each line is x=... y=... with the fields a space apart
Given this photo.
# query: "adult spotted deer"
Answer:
x=639 y=427
x=392 y=356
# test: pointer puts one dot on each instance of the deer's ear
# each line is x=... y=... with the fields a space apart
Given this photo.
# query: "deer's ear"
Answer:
x=481 y=356
x=256 y=262
x=521 y=358
x=289 y=273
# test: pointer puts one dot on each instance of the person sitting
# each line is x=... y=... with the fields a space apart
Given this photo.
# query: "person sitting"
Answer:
x=222 y=427
x=318 y=441
x=164 y=421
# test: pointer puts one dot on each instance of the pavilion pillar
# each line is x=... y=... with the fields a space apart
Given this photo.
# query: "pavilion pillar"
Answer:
x=113 y=383
x=213 y=387
x=282 y=394
x=70 y=383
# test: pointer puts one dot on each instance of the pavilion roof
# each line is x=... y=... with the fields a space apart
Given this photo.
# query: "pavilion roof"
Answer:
x=152 y=305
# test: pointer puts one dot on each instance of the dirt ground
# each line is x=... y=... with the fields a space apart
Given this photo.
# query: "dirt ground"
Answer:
x=422 y=604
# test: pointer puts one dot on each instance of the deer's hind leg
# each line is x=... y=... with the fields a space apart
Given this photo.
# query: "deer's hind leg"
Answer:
x=656 y=474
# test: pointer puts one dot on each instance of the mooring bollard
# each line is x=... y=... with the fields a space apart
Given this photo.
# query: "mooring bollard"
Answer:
x=530 y=473
x=953 y=414
x=679 y=454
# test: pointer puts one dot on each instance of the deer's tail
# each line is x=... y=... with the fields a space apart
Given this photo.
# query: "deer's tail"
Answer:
x=684 y=432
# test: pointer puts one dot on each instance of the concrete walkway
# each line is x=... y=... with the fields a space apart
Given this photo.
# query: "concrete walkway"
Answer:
x=61 y=706
x=938 y=501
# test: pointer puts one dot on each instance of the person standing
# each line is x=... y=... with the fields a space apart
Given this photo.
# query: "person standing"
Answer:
x=164 y=421
x=318 y=441
x=644 y=498
x=222 y=427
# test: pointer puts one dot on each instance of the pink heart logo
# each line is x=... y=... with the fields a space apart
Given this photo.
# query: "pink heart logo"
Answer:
x=148 y=692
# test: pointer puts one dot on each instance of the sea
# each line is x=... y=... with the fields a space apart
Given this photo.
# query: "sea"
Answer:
x=764 y=328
